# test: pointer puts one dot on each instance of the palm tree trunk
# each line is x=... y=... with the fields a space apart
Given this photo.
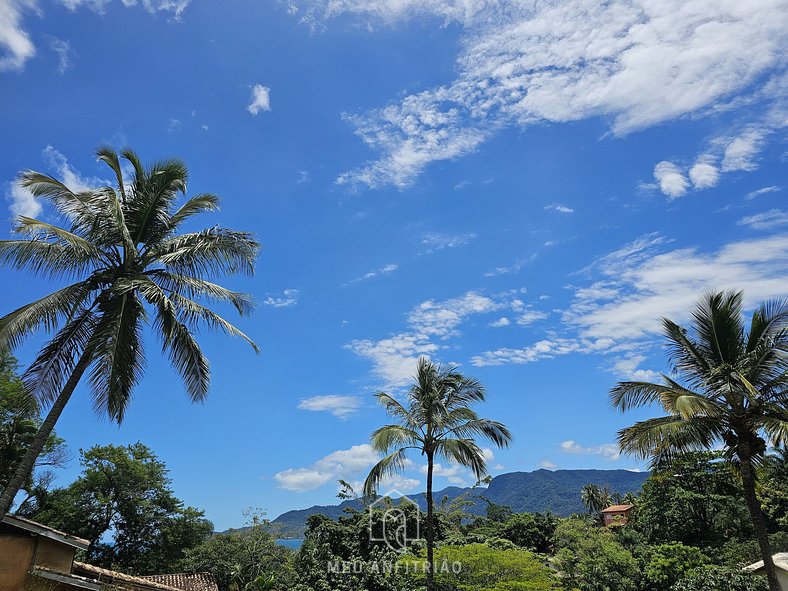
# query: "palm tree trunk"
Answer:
x=756 y=514
x=28 y=462
x=430 y=530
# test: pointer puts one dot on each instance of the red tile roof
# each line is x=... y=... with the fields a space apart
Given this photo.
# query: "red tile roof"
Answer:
x=186 y=581
x=617 y=508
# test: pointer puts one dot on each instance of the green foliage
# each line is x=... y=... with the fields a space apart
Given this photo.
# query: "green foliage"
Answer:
x=591 y=559
x=669 y=563
x=533 y=531
x=124 y=505
x=243 y=560
x=696 y=501
x=721 y=579
x=19 y=422
x=480 y=567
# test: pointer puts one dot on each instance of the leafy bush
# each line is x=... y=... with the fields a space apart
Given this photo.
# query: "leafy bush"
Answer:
x=715 y=578
x=669 y=563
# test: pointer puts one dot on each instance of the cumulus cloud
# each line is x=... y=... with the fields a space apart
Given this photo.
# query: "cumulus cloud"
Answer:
x=288 y=298
x=609 y=451
x=768 y=220
x=704 y=175
x=342 y=407
x=635 y=63
x=501 y=322
x=548 y=465
x=346 y=464
x=22 y=202
x=671 y=180
x=261 y=99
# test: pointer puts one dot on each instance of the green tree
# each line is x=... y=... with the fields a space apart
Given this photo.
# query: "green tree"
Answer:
x=533 y=531
x=695 y=500
x=124 y=249
x=669 y=563
x=595 y=498
x=715 y=578
x=123 y=504
x=591 y=559
x=438 y=422
x=729 y=389
x=19 y=422
x=480 y=567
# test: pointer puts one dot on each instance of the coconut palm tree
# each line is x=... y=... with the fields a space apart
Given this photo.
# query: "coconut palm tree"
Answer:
x=436 y=420
x=729 y=388
x=127 y=263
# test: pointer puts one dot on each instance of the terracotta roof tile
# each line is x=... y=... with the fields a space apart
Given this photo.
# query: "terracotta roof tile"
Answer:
x=186 y=581
x=617 y=508
x=122 y=580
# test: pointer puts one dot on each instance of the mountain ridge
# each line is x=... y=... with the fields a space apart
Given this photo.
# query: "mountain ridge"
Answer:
x=557 y=491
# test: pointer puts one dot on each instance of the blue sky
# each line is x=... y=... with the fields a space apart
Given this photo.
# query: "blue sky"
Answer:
x=522 y=189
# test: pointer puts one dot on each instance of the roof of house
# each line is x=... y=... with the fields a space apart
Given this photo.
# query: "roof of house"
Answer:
x=123 y=580
x=617 y=508
x=780 y=561
x=69 y=579
x=186 y=581
x=45 y=531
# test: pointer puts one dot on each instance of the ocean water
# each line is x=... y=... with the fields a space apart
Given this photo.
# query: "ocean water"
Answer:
x=295 y=544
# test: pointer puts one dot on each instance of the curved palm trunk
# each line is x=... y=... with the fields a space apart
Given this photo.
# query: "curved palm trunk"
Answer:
x=28 y=462
x=430 y=530
x=756 y=514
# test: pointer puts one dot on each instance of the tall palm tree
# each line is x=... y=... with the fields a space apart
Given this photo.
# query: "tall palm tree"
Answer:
x=436 y=420
x=729 y=388
x=127 y=263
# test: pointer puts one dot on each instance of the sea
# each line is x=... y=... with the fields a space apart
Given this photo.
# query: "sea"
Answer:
x=293 y=543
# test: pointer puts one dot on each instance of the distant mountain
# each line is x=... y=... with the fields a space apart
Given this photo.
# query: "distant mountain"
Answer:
x=542 y=490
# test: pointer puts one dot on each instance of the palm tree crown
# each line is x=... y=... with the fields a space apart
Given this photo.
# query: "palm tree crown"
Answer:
x=437 y=421
x=729 y=387
x=131 y=266
x=128 y=263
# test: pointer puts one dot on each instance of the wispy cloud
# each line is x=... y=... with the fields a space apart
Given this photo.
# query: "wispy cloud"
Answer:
x=762 y=191
x=261 y=99
x=512 y=269
x=559 y=208
x=768 y=220
x=342 y=407
x=434 y=241
x=288 y=298
x=384 y=270
x=62 y=48
x=647 y=64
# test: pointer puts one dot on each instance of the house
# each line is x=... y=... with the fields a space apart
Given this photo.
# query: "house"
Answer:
x=780 y=565
x=616 y=515
x=37 y=557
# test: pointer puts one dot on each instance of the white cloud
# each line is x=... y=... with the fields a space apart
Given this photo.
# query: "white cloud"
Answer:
x=261 y=99
x=341 y=407
x=619 y=314
x=176 y=7
x=762 y=191
x=439 y=241
x=394 y=358
x=384 y=270
x=22 y=201
x=512 y=269
x=18 y=48
x=768 y=220
x=704 y=175
x=559 y=208
x=502 y=321
x=671 y=180
x=609 y=451
x=547 y=465
x=343 y=463
x=530 y=316
x=288 y=298
x=741 y=152
x=63 y=50
x=174 y=125
x=636 y=63
x=442 y=318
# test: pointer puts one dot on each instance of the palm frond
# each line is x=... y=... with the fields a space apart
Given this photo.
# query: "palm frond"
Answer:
x=44 y=258
x=108 y=155
x=44 y=313
x=192 y=287
x=392 y=464
x=390 y=436
x=208 y=253
x=628 y=395
x=464 y=452
x=662 y=438
x=116 y=347
x=493 y=431
x=718 y=323
x=204 y=202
